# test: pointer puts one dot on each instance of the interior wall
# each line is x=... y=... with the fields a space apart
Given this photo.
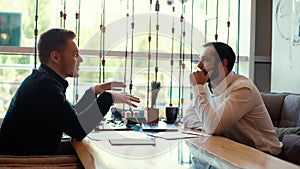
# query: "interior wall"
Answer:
x=262 y=76
x=263 y=45
x=285 y=47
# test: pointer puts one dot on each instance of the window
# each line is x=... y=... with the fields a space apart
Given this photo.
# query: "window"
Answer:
x=18 y=61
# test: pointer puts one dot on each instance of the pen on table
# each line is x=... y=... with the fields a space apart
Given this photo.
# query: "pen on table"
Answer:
x=193 y=133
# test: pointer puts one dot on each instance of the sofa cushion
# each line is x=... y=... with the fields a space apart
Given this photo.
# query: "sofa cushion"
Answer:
x=290 y=114
x=273 y=103
x=286 y=130
x=291 y=148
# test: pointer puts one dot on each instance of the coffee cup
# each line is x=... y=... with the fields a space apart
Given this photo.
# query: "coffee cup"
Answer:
x=127 y=114
x=171 y=114
x=136 y=114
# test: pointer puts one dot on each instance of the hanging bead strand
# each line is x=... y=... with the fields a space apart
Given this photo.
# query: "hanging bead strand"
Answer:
x=206 y=18
x=192 y=32
x=157 y=8
x=103 y=44
x=126 y=45
x=149 y=57
x=77 y=29
x=131 y=61
x=77 y=17
x=217 y=20
x=172 y=57
x=180 y=54
x=65 y=14
x=228 y=22
x=36 y=32
x=100 y=42
x=183 y=64
x=238 y=38
x=61 y=13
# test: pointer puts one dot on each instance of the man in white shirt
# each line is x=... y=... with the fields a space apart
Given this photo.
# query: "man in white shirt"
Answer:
x=228 y=104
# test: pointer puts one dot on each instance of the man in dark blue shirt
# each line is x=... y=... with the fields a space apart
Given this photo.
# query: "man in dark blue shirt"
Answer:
x=39 y=112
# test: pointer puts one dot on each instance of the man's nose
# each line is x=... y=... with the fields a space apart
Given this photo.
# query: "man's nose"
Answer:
x=200 y=65
x=80 y=59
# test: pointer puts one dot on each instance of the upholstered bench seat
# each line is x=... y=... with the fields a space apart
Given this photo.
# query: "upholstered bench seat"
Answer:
x=41 y=162
x=284 y=110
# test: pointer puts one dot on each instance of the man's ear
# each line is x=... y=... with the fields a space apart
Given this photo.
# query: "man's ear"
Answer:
x=225 y=62
x=54 y=57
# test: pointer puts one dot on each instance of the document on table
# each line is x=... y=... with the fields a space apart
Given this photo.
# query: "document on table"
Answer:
x=132 y=141
x=172 y=135
x=106 y=135
x=195 y=133
x=122 y=137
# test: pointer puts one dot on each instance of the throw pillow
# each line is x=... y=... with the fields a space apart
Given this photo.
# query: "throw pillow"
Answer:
x=291 y=148
x=284 y=130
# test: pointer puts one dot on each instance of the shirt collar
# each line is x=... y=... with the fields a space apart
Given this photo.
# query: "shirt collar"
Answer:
x=224 y=83
x=53 y=74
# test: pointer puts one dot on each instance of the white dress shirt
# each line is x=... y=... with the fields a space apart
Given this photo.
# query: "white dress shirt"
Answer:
x=236 y=110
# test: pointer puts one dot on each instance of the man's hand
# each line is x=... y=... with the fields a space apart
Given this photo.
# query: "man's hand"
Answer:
x=123 y=97
x=119 y=97
x=108 y=86
x=198 y=77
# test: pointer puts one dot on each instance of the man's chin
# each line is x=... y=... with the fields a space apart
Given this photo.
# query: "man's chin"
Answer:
x=204 y=71
x=74 y=75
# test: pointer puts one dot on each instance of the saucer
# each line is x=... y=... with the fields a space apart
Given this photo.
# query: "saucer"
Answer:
x=168 y=122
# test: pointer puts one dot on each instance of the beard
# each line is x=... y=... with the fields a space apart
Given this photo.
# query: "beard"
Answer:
x=215 y=73
x=75 y=72
x=70 y=71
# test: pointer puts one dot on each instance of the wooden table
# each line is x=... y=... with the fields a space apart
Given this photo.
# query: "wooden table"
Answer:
x=238 y=154
x=172 y=154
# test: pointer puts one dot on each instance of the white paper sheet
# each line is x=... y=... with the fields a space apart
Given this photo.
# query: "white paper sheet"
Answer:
x=132 y=141
x=106 y=135
x=172 y=135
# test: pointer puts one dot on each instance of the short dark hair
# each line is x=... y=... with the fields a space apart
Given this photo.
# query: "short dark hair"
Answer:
x=53 y=39
x=224 y=51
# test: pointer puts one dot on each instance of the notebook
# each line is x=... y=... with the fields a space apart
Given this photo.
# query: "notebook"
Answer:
x=132 y=141
x=158 y=127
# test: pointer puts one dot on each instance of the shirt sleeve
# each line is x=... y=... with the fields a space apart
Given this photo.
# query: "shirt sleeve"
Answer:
x=91 y=109
x=85 y=101
x=76 y=121
x=230 y=107
x=191 y=118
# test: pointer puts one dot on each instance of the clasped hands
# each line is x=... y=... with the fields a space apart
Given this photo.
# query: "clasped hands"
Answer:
x=120 y=97
x=199 y=77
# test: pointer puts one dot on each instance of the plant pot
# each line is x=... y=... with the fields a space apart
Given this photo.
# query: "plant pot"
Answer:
x=151 y=115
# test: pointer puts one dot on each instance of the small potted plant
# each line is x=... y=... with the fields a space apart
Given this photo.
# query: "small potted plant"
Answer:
x=152 y=113
x=155 y=87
